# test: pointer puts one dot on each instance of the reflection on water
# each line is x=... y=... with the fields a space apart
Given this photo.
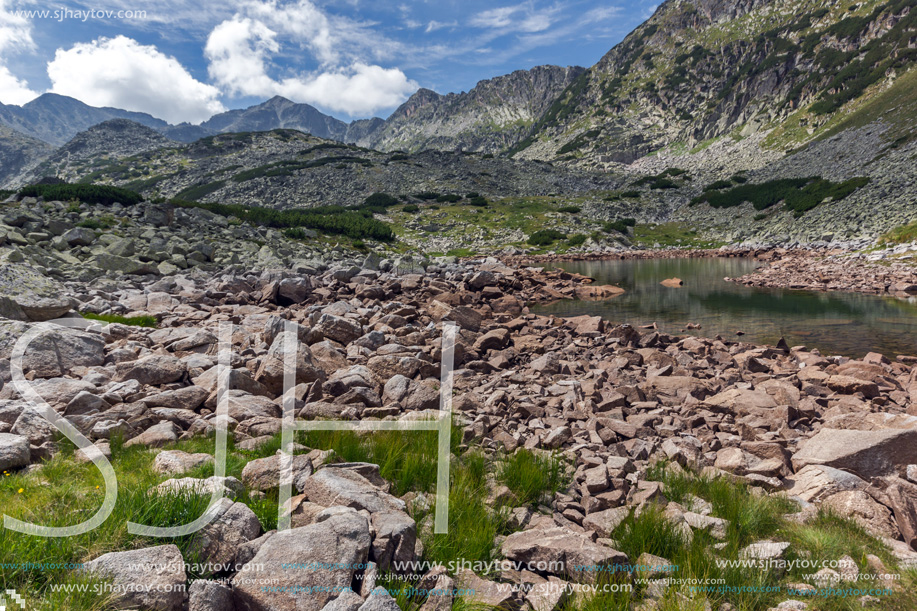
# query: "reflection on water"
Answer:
x=835 y=323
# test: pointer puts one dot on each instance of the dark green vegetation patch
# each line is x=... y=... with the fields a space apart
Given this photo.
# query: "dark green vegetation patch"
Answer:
x=798 y=194
x=103 y=195
x=288 y=167
x=356 y=223
x=545 y=237
x=619 y=225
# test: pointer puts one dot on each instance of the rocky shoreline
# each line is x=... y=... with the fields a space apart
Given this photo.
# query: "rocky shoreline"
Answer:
x=613 y=400
x=876 y=274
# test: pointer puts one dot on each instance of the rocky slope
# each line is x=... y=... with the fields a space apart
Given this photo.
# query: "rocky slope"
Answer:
x=99 y=146
x=286 y=168
x=702 y=69
x=492 y=117
x=18 y=152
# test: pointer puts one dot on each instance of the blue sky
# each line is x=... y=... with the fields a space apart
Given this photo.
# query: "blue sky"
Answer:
x=184 y=61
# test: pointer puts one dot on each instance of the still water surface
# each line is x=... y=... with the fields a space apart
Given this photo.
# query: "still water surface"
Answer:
x=836 y=323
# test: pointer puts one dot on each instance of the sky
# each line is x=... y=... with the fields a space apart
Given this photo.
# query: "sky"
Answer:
x=186 y=61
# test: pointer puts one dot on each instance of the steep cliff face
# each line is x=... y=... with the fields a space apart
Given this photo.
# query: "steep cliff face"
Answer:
x=490 y=118
x=702 y=69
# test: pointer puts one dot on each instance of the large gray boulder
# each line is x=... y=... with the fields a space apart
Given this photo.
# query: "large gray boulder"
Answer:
x=56 y=353
x=153 y=370
x=219 y=541
x=27 y=295
x=14 y=451
x=562 y=552
x=209 y=596
x=336 y=486
x=151 y=578
x=294 y=561
x=264 y=473
x=865 y=453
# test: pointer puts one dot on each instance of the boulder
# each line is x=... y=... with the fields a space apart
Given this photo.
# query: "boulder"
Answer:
x=264 y=473
x=55 y=354
x=865 y=510
x=154 y=370
x=340 y=329
x=337 y=486
x=206 y=595
x=190 y=397
x=244 y=406
x=563 y=551
x=150 y=578
x=865 y=453
x=379 y=600
x=177 y=462
x=340 y=543
x=14 y=451
x=815 y=483
x=271 y=371
x=27 y=295
x=156 y=436
x=394 y=539
x=219 y=541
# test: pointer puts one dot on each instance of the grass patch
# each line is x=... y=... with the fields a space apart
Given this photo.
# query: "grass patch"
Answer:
x=671 y=234
x=133 y=321
x=532 y=477
x=900 y=235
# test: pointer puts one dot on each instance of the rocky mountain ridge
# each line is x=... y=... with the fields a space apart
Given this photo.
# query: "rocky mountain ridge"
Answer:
x=699 y=70
x=490 y=118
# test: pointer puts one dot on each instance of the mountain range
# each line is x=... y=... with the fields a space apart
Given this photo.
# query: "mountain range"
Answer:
x=766 y=77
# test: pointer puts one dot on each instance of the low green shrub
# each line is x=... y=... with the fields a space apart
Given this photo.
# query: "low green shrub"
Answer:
x=797 y=194
x=353 y=223
x=576 y=240
x=570 y=209
x=449 y=198
x=619 y=225
x=103 y=195
x=380 y=200
x=478 y=201
x=412 y=208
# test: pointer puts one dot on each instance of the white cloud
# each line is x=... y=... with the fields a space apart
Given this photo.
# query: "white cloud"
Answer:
x=15 y=31
x=123 y=73
x=15 y=35
x=518 y=18
x=14 y=90
x=438 y=25
x=240 y=52
x=356 y=90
